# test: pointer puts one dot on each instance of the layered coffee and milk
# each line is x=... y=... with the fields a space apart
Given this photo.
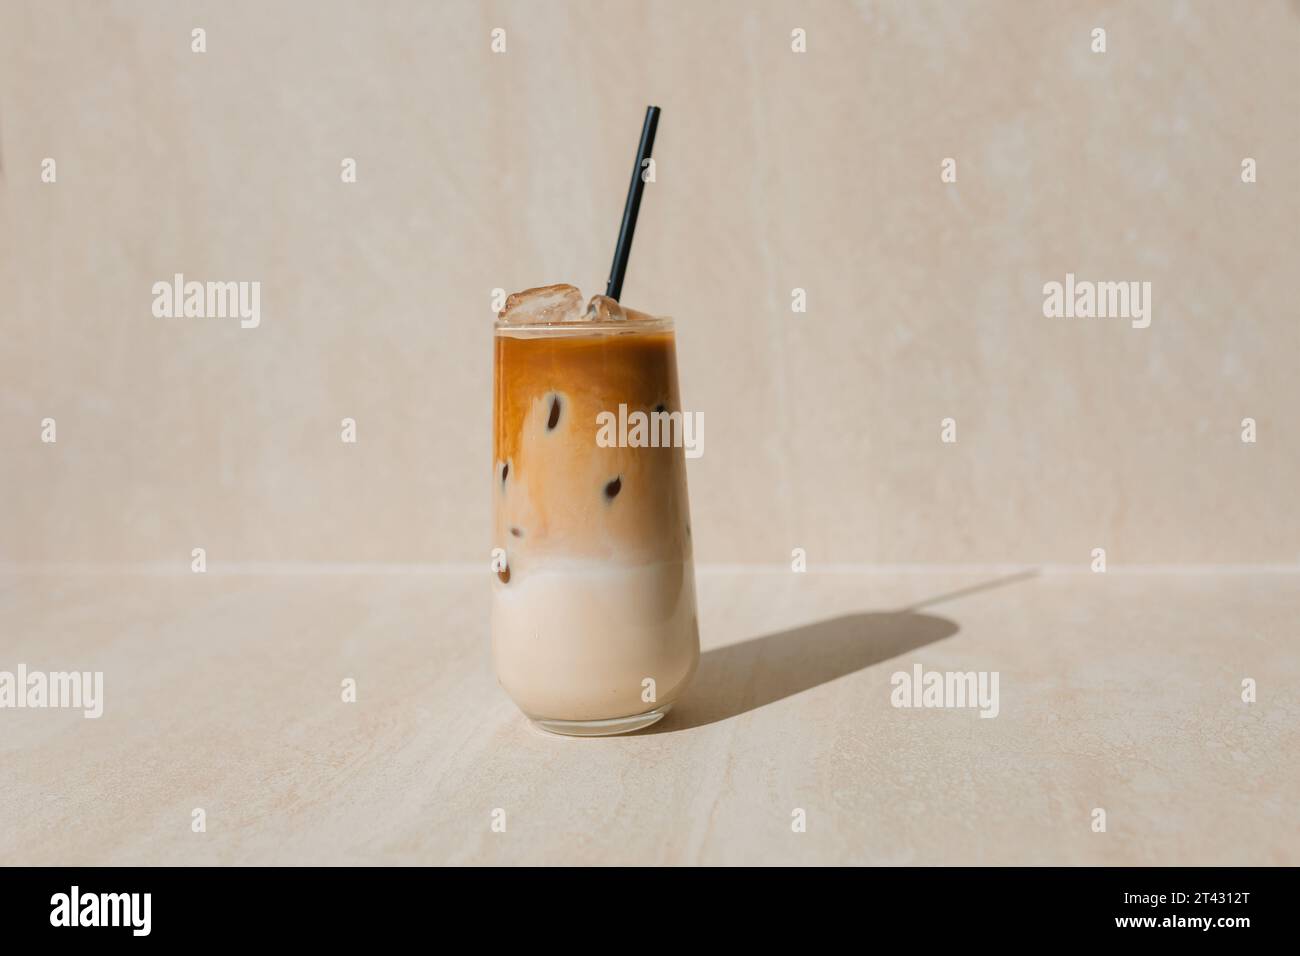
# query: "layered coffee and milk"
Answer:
x=593 y=622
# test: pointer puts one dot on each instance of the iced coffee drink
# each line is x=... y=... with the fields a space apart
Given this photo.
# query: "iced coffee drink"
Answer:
x=593 y=624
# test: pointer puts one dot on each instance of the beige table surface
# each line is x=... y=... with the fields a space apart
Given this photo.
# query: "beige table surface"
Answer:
x=1119 y=691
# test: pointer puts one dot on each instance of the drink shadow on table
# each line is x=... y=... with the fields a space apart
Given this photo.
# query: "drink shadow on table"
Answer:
x=741 y=677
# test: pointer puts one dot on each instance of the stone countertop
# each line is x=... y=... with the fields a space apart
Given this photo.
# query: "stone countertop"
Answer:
x=222 y=692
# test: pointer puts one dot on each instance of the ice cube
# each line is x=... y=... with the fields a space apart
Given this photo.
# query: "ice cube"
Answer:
x=602 y=308
x=550 y=303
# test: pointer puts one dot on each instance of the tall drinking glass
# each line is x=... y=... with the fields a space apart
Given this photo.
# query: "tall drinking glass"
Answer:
x=594 y=627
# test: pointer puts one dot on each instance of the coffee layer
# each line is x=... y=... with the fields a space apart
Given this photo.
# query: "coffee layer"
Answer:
x=556 y=491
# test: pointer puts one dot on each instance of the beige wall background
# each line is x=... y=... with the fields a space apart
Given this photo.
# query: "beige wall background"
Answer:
x=775 y=170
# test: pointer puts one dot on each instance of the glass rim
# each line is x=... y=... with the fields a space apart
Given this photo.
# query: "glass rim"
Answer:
x=624 y=327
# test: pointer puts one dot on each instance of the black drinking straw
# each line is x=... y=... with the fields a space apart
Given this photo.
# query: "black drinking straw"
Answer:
x=633 y=205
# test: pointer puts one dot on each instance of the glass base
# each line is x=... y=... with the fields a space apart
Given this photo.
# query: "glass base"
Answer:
x=602 y=728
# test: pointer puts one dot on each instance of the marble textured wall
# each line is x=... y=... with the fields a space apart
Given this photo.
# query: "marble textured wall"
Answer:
x=776 y=170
